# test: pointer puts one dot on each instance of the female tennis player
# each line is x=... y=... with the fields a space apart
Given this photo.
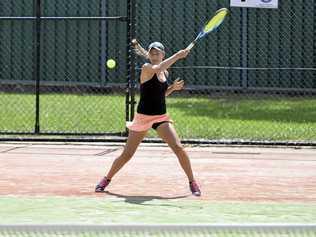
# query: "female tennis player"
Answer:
x=151 y=113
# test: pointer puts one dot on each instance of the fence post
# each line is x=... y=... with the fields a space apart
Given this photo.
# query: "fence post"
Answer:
x=104 y=42
x=37 y=61
x=244 y=47
x=131 y=74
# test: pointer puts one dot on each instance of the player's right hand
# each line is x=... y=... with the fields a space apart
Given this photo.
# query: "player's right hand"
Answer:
x=183 y=53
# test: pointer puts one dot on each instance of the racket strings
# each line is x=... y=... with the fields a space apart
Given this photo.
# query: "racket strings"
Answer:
x=215 y=21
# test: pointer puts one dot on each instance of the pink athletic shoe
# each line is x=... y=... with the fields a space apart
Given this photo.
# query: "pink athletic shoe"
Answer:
x=102 y=184
x=194 y=187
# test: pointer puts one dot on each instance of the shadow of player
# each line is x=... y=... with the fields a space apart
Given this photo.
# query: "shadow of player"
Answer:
x=141 y=200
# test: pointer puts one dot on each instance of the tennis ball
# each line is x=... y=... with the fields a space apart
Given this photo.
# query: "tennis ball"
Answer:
x=111 y=63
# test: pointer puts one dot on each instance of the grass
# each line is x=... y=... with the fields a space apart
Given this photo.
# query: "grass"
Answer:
x=246 y=118
x=63 y=113
x=146 y=210
x=71 y=210
x=195 y=117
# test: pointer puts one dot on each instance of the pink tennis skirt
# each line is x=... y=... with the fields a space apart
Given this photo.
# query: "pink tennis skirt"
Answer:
x=142 y=122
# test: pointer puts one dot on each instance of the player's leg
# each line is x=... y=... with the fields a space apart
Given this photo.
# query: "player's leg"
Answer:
x=168 y=133
x=133 y=140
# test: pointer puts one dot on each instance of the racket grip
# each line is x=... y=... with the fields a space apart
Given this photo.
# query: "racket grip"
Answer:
x=190 y=46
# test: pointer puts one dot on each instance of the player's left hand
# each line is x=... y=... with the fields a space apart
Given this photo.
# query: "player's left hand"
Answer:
x=178 y=84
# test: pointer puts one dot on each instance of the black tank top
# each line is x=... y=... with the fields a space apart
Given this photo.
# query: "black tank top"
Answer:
x=152 y=97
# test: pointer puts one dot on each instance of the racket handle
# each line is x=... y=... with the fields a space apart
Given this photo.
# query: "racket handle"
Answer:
x=190 y=46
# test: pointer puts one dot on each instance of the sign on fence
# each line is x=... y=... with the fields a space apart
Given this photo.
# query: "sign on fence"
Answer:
x=254 y=3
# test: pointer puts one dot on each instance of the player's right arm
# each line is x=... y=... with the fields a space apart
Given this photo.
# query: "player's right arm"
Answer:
x=165 y=64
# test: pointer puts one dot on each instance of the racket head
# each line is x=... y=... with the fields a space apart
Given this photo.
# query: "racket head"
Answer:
x=214 y=22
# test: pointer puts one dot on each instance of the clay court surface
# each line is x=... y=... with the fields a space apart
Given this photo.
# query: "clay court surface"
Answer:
x=225 y=173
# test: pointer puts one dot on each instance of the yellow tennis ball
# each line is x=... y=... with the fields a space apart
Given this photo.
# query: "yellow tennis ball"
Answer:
x=111 y=63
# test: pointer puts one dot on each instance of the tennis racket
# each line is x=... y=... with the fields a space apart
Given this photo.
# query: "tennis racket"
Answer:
x=211 y=25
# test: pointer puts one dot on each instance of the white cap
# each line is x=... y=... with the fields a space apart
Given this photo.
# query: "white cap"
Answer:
x=156 y=45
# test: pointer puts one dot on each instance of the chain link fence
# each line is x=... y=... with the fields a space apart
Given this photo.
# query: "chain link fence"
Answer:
x=16 y=68
x=252 y=80
x=53 y=75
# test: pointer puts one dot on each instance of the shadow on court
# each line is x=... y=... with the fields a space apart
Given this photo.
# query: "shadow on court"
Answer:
x=141 y=200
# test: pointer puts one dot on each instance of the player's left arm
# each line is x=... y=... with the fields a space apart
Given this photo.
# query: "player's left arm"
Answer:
x=177 y=85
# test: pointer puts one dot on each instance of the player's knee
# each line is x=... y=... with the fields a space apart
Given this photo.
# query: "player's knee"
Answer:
x=177 y=147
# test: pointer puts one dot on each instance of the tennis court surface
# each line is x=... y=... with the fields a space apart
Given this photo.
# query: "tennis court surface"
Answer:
x=250 y=174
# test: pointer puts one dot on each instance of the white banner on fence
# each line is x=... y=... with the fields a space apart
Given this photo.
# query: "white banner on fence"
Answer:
x=254 y=3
